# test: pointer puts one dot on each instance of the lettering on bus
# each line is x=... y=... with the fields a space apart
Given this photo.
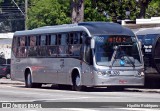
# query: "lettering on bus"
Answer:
x=119 y=39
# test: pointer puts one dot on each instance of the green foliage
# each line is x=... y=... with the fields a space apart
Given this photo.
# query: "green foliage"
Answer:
x=91 y=13
x=153 y=9
x=49 y=12
x=53 y=12
x=117 y=8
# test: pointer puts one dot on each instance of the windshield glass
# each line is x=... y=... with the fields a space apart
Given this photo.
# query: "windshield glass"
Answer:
x=117 y=50
x=140 y=37
x=149 y=39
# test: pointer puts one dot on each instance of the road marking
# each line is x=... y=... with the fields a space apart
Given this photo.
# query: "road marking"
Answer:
x=63 y=99
x=49 y=99
x=139 y=109
x=31 y=110
x=79 y=109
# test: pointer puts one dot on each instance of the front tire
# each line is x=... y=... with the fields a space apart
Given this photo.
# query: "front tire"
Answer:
x=77 y=83
x=29 y=83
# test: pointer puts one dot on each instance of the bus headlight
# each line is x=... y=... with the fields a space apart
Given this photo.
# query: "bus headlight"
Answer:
x=140 y=73
x=106 y=73
x=101 y=73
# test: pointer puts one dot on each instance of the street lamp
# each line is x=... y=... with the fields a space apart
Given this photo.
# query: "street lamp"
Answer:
x=127 y=14
x=106 y=14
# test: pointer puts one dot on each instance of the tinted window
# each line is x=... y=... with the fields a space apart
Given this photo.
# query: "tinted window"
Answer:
x=53 y=40
x=64 y=38
x=32 y=50
x=149 y=39
x=43 y=40
x=140 y=37
x=21 y=50
x=14 y=48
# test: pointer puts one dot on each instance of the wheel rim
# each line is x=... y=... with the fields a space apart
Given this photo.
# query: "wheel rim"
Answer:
x=77 y=81
x=29 y=81
x=8 y=76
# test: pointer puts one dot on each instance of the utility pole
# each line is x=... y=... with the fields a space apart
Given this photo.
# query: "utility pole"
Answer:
x=26 y=10
x=24 y=14
x=77 y=11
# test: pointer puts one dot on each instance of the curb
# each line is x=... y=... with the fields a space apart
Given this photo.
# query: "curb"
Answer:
x=144 y=90
x=8 y=81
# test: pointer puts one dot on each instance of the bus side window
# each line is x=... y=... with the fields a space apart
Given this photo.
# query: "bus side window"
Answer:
x=42 y=47
x=75 y=44
x=52 y=48
x=77 y=38
x=63 y=46
x=14 y=46
x=52 y=40
x=43 y=40
x=21 y=46
x=32 y=50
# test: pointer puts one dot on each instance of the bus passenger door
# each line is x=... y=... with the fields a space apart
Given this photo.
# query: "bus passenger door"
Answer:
x=87 y=76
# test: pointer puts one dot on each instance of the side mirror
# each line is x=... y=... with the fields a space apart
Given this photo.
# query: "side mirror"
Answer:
x=92 y=43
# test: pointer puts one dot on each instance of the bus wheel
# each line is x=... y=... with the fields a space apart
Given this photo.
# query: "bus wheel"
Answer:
x=8 y=76
x=77 y=83
x=29 y=83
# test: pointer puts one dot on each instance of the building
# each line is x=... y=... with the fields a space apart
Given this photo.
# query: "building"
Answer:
x=5 y=45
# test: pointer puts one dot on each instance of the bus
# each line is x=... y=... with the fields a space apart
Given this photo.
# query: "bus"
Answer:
x=150 y=40
x=87 y=54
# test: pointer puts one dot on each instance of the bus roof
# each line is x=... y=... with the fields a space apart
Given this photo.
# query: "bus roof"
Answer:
x=93 y=28
x=100 y=28
x=144 y=31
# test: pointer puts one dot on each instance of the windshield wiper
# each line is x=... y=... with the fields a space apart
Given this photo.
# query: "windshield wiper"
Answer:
x=130 y=61
x=113 y=56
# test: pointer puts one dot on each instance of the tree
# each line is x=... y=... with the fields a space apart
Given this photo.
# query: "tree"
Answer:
x=53 y=12
x=48 y=12
x=143 y=6
x=77 y=10
x=153 y=9
x=91 y=13
x=116 y=9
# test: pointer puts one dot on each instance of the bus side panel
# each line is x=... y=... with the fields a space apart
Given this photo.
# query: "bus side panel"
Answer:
x=44 y=70
x=16 y=71
x=69 y=64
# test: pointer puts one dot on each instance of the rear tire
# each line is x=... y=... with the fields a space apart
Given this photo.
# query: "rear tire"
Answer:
x=29 y=83
x=8 y=76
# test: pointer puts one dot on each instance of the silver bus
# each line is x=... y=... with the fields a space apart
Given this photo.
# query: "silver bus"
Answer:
x=87 y=54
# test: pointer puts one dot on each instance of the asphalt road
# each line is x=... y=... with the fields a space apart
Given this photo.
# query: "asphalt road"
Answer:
x=96 y=99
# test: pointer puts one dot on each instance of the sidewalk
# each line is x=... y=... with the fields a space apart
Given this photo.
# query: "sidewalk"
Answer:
x=9 y=81
x=151 y=90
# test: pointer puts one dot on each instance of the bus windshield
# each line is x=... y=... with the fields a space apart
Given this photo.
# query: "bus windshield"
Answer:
x=117 y=50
